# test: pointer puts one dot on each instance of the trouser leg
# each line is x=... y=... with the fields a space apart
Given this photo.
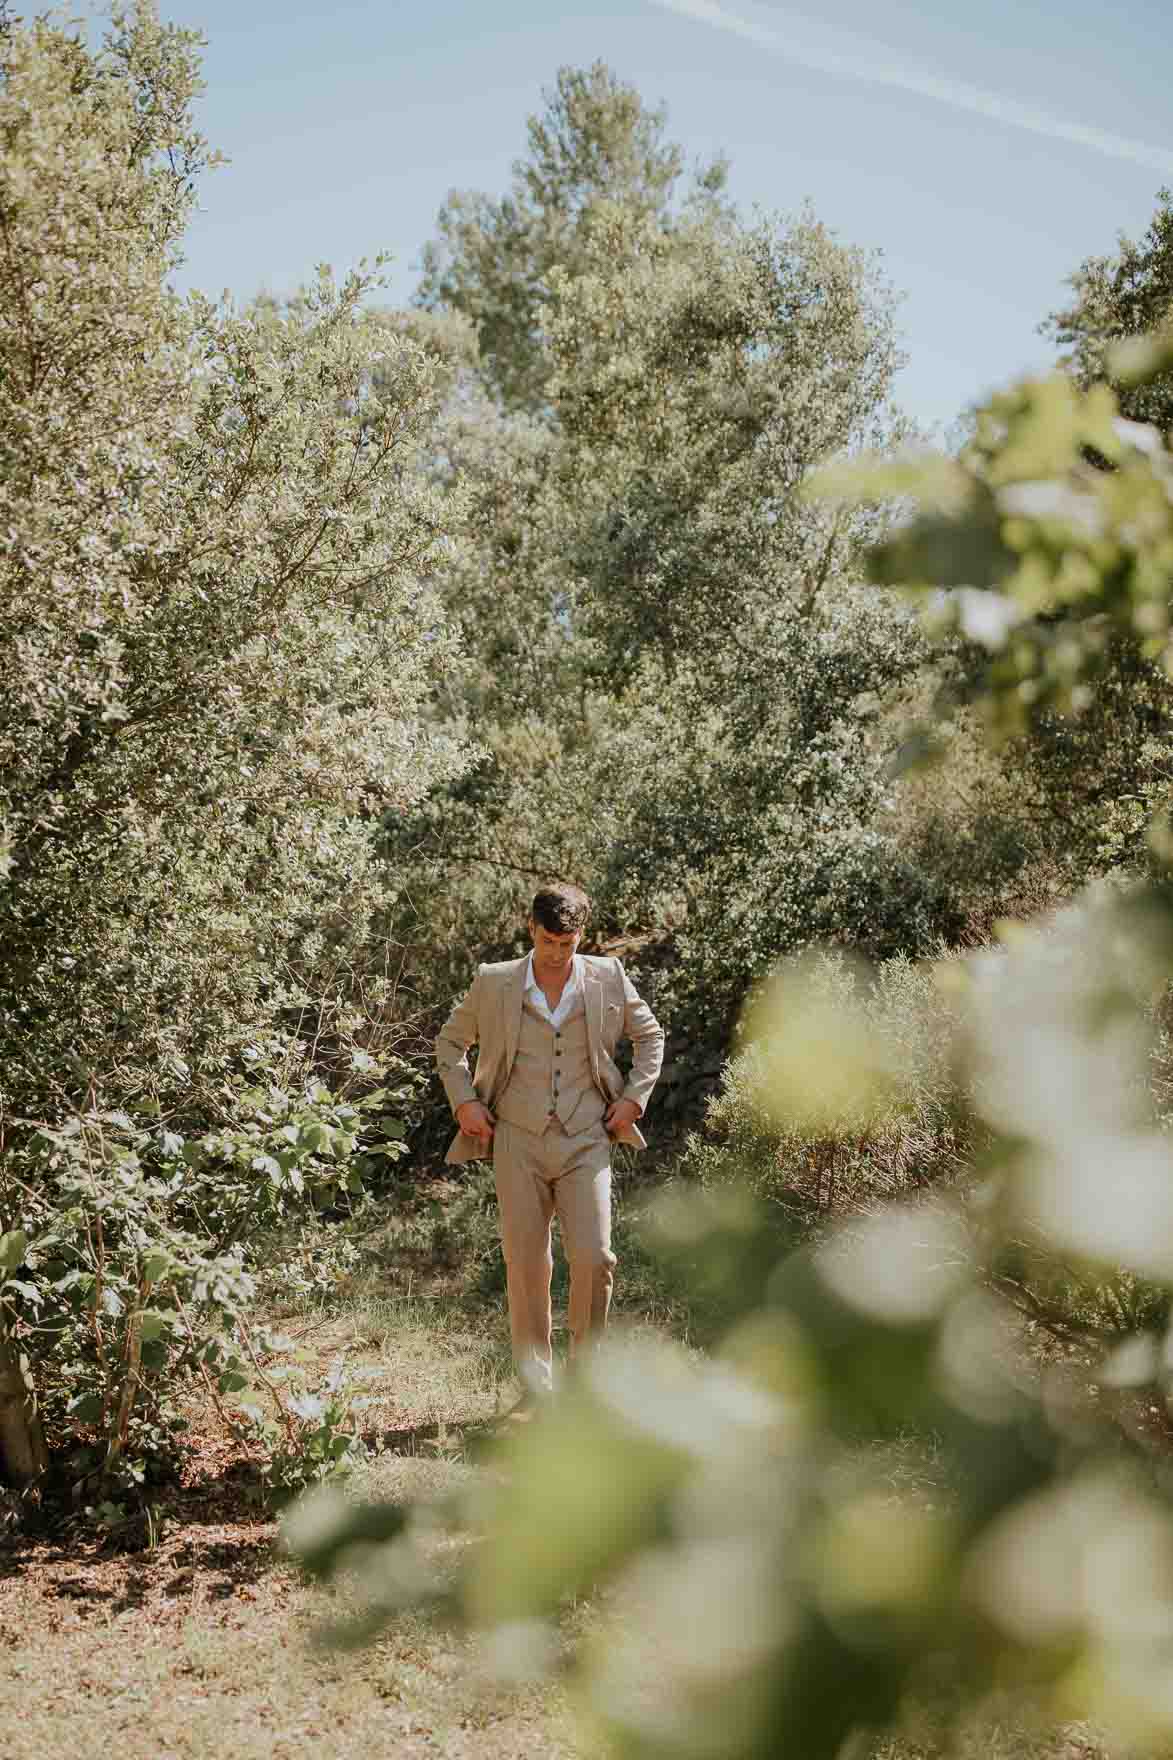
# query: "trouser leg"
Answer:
x=525 y=1206
x=582 y=1198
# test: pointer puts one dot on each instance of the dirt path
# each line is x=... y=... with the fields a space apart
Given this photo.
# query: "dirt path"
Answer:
x=196 y=1640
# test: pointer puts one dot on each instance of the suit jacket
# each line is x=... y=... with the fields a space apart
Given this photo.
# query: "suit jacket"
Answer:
x=489 y=1016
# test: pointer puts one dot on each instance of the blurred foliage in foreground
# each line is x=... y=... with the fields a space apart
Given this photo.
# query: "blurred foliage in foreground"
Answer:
x=779 y=1593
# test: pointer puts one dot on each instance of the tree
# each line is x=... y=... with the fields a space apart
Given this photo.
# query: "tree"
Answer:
x=596 y=142
x=217 y=616
x=218 y=635
x=675 y=676
x=1114 y=758
x=1116 y=297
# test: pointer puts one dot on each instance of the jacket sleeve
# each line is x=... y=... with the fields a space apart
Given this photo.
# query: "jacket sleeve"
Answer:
x=460 y=1031
x=647 y=1043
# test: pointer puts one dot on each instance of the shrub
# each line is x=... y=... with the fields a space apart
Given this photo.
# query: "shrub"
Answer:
x=133 y=1255
x=844 y=1158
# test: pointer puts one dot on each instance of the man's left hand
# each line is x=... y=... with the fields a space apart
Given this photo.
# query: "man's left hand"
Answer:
x=620 y=1116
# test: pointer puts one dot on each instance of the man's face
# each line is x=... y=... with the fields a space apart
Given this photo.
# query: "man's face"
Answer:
x=553 y=953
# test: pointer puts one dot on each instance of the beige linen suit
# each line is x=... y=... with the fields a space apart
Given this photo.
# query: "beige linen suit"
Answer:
x=549 y=1088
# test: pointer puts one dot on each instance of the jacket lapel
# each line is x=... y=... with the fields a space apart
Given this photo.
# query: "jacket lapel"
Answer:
x=593 y=997
x=512 y=997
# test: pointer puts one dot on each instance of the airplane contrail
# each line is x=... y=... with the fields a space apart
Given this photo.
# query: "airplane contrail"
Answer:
x=855 y=61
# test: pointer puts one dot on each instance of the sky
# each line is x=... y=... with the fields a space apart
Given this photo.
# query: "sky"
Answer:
x=985 y=151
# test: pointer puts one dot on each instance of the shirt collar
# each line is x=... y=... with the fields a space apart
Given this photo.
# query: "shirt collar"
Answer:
x=573 y=982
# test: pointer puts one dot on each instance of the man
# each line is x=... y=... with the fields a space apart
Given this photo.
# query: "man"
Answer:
x=546 y=1103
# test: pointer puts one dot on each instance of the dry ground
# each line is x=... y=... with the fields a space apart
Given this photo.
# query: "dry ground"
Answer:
x=202 y=1644
x=194 y=1639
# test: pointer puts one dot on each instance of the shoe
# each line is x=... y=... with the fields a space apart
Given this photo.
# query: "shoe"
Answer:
x=523 y=1410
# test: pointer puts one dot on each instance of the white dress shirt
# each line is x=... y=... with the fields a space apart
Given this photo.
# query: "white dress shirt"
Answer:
x=569 y=1002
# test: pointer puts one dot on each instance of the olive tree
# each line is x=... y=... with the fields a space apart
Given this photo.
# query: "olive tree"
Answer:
x=219 y=632
x=495 y=261
x=218 y=620
x=677 y=678
x=1115 y=296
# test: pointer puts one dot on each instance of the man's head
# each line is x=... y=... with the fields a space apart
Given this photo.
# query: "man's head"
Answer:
x=557 y=918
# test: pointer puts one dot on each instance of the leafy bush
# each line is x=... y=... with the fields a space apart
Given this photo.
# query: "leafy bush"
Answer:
x=843 y=1158
x=305 y=1438
x=219 y=634
x=133 y=1256
x=790 y=1131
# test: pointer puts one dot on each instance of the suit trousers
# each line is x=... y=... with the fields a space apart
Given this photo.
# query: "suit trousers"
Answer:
x=539 y=1176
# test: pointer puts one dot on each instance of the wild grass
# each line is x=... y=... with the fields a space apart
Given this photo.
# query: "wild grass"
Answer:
x=205 y=1643
x=199 y=1677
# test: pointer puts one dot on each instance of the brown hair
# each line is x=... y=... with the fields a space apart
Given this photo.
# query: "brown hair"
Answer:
x=560 y=909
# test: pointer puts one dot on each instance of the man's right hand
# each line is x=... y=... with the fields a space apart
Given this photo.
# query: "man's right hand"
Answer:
x=475 y=1119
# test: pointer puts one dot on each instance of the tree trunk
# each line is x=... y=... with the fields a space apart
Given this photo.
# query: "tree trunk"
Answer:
x=23 y=1455
x=132 y=1360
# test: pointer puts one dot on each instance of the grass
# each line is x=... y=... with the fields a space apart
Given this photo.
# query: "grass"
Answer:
x=202 y=1643
x=205 y=1672
x=1001 y=1729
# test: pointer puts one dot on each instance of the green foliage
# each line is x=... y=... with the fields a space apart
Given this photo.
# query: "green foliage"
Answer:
x=137 y=1252
x=680 y=688
x=1126 y=297
x=794 y=1125
x=219 y=634
x=219 y=628
x=494 y=261
x=1025 y=547
x=784 y=1596
x=313 y=1439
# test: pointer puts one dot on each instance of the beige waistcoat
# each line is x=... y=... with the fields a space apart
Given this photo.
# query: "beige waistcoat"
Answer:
x=551 y=1076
